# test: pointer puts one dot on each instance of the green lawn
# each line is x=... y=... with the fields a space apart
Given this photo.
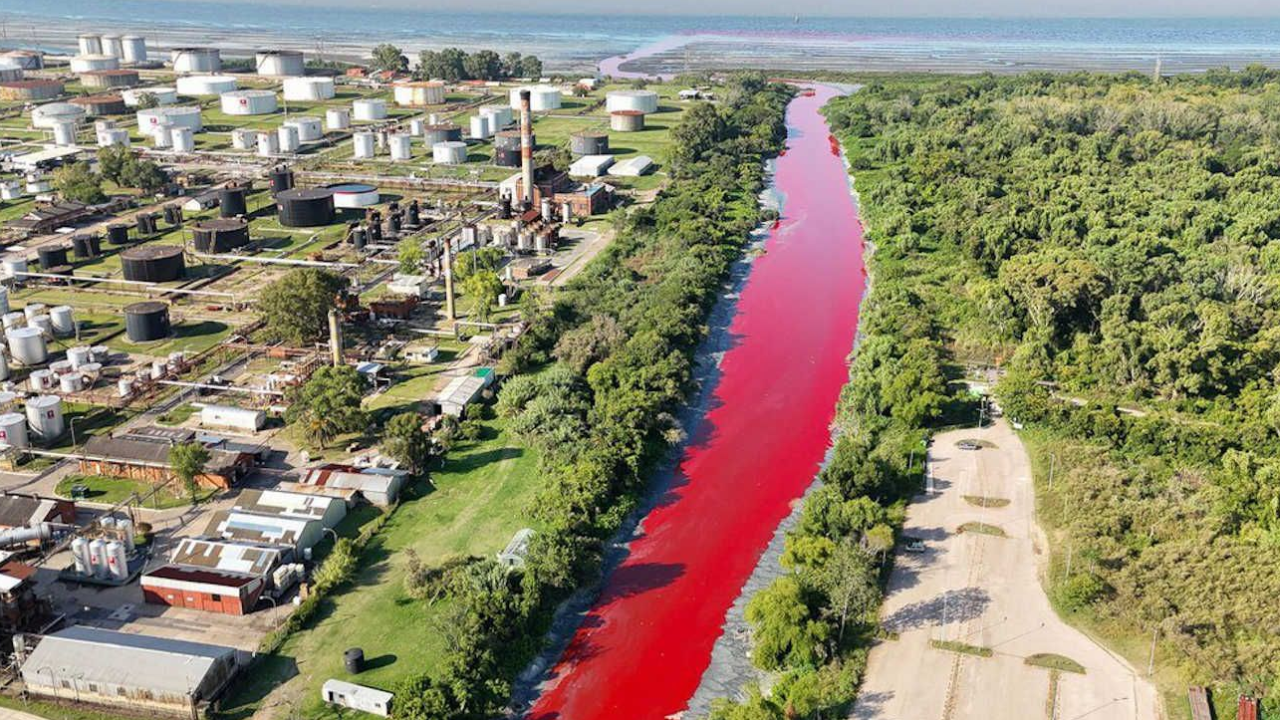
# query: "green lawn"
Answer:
x=480 y=500
x=109 y=490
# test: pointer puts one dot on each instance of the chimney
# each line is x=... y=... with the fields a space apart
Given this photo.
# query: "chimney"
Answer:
x=335 y=338
x=526 y=147
x=448 y=282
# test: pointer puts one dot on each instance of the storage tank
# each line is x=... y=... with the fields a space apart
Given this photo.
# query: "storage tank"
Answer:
x=626 y=121
x=337 y=118
x=308 y=89
x=353 y=661
x=363 y=145
x=134 y=49
x=248 y=102
x=44 y=415
x=14 y=266
x=99 y=105
x=112 y=46
x=288 y=135
x=449 y=153
x=4 y=375
x=117 y=563
x=79 y=356
x=153 y=263
x=589 y=142
x=33 y=309
x=13 y=430
x=14 y=319
x=87 y=246
x=177 y=116
x=499 y=117
x=71 y=383
x=279 y=179
x=510 y=140
x=64 y=133
x=109 y=79
x=27 y=59
x=89 y=44
x=418 y=94
x=182 y=140
x=244 y=138
x=88 y=63
x=506 y=157
x=98 y=557
x=114 y=136
x=146 y=321
x=41 y=380
x=368 y=109
x=480 y=127
x=195 y=60
x=161 y=135
x=279 y=63
x=118 y=234
x=80 y=554
x=163 y=95
x=441 y=132
x=124 y=387
x=645 y=101
x=43 y=322
x=206 y=85
x=46 y=116
x=401 y=146
x=27 y=346
x=305 y=207
x=63 y=319
x=541 y=97
x=233 y=201
x=51 y=256
x=309 y=129
x=10 y=70
x=354 y=195
x=268 y=143
x=10 y=190
x=4 y=300
x=219 y=235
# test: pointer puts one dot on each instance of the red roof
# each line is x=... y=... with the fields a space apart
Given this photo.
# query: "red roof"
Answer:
x=186 y=573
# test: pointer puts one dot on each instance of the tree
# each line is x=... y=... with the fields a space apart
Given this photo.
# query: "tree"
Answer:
x=410 y=254
x=388 y=57
x=405 y=440
x=111 y=162
x=483 y=288
x=783 y=628
x=187 y=462
x=296 y=307
x=702 y=129
x=78 y=183
x=328 y=404
x=530 y=67
x=483 y=65
x=512 y=65
x=148 y=100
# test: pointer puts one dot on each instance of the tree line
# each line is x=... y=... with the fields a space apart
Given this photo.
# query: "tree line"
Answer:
x=454 y=64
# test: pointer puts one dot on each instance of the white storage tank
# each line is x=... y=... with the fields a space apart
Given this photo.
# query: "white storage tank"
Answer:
x=541 y=98
x=64 y=133
x=114 y=136
x=308 y=89
x=44 y=415
x=288 y=135
x=449 y=153
x=112 y=45
x=43 y=322
x=418 y=94
x=71 y=382
x=27 y=346
x=226 y=416
x=33 y=309
x=117 y=561
x=196 y=60
x=124 y=387
x=499 y=116
x=309 y=129
x=79 y=356
x=80 y=553
x=279 y=63
x=249 y=102
x=13 y=430
x=163 y=95
x=47 y=116
x=89 y=63
x=162 y=135
x=401 y=146
x=337 y=118
x=4 y=374
x=4 y=300
x=10 y=190
x=98 y=557
x=14 y=266
x=645 y=101
x=63 y=318
x=202 y=85
x=14 y=319
x=369 y=109
x=480 y=127
x=10 y=70
x=183 y=140
x=178 y=116
x=134 y=48
x=363 y=145
x=244 y=138
x=268 y=143
x=89 y=44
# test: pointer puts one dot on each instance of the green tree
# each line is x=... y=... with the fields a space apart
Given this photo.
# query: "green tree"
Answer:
x=388 y=57
x=530 y=67
x=410 y=254
x=187 y=461
x=112 y=160
x=483 y=288
x=143 y=174
x=78 y=183
x=406 y=441
x=148 y=100
x=296 y=307
x=483 y=65
x=329 y=404
x=786 y=633
x=512 y=65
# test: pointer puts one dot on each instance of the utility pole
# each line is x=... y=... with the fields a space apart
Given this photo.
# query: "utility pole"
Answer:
x=1151 y=660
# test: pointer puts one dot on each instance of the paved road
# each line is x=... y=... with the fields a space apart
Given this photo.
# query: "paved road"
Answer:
x=984 y=591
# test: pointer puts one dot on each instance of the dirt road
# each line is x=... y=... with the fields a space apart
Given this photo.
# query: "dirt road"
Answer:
x=983 y=590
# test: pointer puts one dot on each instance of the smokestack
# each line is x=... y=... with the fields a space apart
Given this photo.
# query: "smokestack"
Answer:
x=448 y=282
x=526 y=146
x=335 y=338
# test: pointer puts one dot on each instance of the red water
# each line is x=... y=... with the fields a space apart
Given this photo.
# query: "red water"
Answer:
x=642 y=650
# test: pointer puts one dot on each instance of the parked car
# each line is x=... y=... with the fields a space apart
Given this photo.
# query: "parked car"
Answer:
x=915 y=545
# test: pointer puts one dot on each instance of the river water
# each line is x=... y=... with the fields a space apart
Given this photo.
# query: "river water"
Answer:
x=641 y=651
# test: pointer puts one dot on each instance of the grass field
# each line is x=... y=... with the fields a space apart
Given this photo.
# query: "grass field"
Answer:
x=480 y=500
x=109 y=490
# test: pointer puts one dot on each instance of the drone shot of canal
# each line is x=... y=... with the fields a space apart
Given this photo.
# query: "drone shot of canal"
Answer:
x=641 y=650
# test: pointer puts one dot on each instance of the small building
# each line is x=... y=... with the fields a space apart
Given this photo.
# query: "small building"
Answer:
x=529 y=267
x=47 y=218
x=329 y=511
x=350 y=496
x=378 y=486
x=590 y=165
x=23 y=510
x=137 y=458
x=633 y=167
x=409 y=285
x=357 y=697
x=459 y=393
x=103 y=667
x=234 y=418
x=218 y=591
x=422 y=353
x=240 y=526
x=201 y=201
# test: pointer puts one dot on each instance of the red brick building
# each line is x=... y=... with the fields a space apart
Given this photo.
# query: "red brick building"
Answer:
x=219 y=591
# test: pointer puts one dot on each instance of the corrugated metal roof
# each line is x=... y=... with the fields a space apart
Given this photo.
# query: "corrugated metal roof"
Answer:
x=230 y=557
x=115 y=658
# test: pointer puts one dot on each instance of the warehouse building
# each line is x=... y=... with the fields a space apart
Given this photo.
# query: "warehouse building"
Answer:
x=139 y=457
x=239 y=526
x=583 y=200
x=218 y=591
x=22 y=510
x=328 y=510
x=377 y=486
x=109 y=668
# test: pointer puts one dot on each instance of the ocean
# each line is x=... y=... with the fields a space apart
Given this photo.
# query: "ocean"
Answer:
x=581 y=40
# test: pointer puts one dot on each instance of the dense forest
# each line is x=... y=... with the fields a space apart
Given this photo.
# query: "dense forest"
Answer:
x=1108 y=241
x=595 y=386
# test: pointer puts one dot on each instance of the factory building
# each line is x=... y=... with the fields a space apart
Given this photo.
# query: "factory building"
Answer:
x=213 y=576
x=22 y=510
x=147 y=458
x=329 y=511
x=583 y=200
x=103 y=667
x=377 y=486
x=47 y=218
x=239 y=526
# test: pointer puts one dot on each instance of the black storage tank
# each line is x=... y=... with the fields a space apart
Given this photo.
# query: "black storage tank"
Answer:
x=147 y=223
x=510 y=140
x=118 y=234
x=219 y=235
x=506 y=157
x=173 y=214
x=153 y=263
x=375 y=231
x=358 y=238
x=281 y=179
x=414 y=218
x=589 y=142
x=52 y=256
x=353 y=660
x=231 y=201
x=146 y=321
x=86 y=247
x=305 y=207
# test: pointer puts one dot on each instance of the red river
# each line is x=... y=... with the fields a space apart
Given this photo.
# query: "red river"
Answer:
x=641 y=651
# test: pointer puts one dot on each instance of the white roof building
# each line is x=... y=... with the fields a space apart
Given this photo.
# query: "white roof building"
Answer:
x=254 y=527
x=357 y=697
x=379 y=486
x=460 y=392
x=633 y=167
x=590 y=165
x=327 y=510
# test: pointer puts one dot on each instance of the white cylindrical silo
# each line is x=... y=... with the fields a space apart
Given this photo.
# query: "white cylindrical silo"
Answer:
x=98 y=557
x=337 y=119
x=13 y=430
x=63 y=318
x=162 y=135
x=308 y=89
x=163 y=95
x=89 y=63
x=44 y=415
x=33 y=309
x=79 y=355
x=117 y=561
x=80 y=553
x=205 y=85
x=90 y=44
x=369 y=109
x=363 y=143
x=541 y=98
x=645 y=101
x=10 y=70
x=268 y=143
x=14 y=319
x=13 y=266
x=480 y=127
x=71 y=383
x=243 y=138
x=10 y=190
x=416 y=126
x=183 y=140
x=309 y=129
x=279 y=63
x=248 y=102
x=449 y=153
x=182 y=116
x=196 y=60
x=64 y=133
x=126 y=533
x=288 y=136
x=124 y=387
x=42 y=321
x=401 y=146
x=418 y=94
x=134 y=48
x=499 y=116
x=27 y=346
x=112 y=45
x=114 y=136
